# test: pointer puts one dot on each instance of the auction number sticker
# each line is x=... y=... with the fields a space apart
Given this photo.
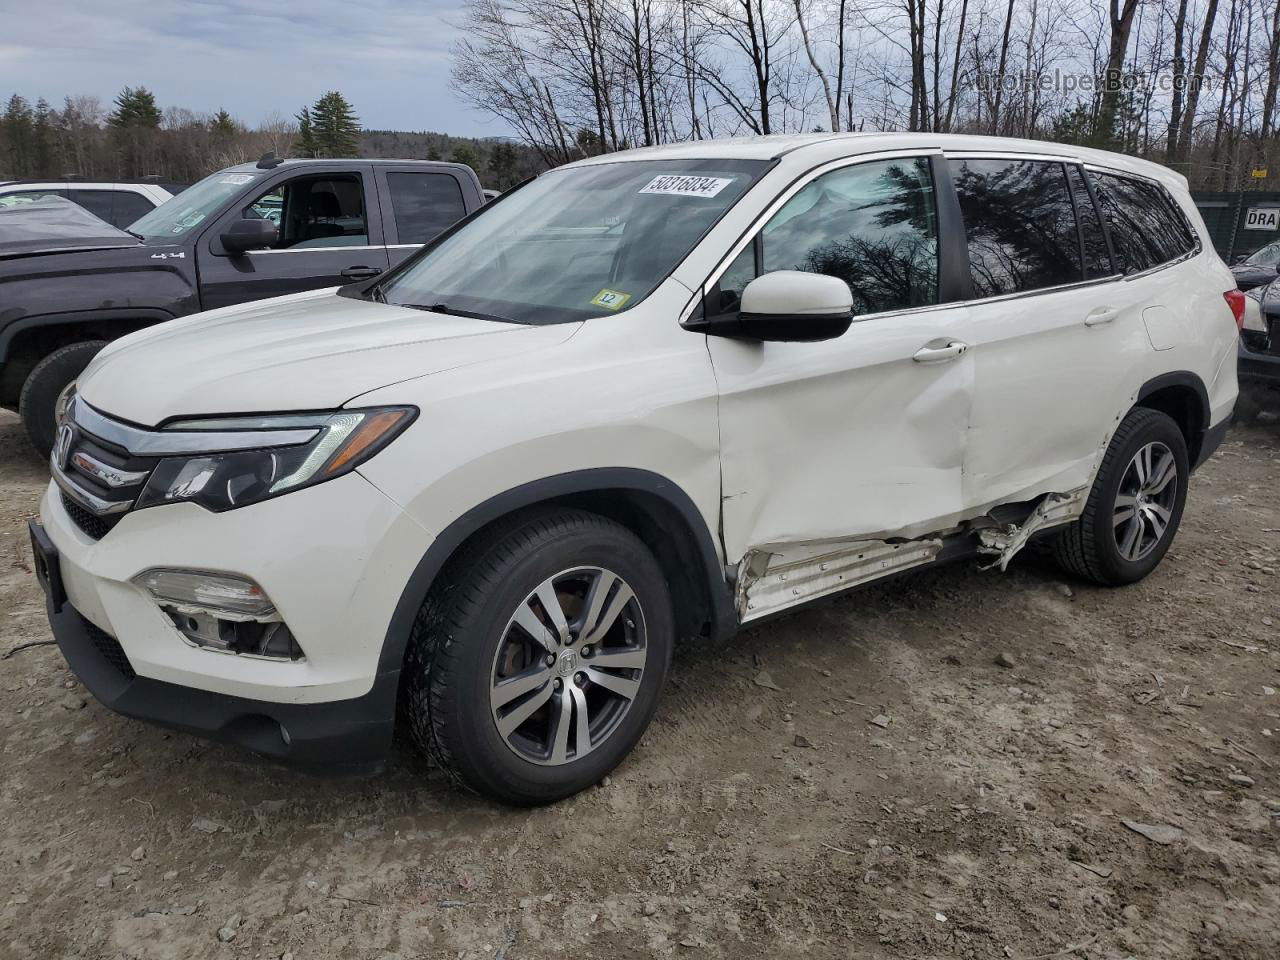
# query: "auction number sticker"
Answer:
x=684 y=185
x=610 y=299
x=237 y=178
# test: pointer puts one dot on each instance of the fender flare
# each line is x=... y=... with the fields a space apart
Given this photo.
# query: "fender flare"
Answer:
x=1199 y=450
x=724 y=619
x=147 y=315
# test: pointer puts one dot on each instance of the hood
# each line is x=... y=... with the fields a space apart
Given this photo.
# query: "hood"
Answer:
x=309 y=351
x=54 y=224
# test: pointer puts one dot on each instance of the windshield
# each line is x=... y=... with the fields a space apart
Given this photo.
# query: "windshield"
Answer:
x=192 y=207
x=1268 y=256
x=576 y=243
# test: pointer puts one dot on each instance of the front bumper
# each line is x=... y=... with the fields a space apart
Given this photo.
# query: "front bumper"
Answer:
x=345 y=737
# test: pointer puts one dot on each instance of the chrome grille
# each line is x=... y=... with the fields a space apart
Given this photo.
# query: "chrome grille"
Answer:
x=100 y=480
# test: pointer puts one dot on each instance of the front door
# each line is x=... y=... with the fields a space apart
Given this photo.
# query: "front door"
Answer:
x=862 y=436
x=330 y=233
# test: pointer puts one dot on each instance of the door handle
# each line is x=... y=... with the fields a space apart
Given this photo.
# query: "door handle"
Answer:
x=1101 y=315
x=360 y=273
x=940 y=351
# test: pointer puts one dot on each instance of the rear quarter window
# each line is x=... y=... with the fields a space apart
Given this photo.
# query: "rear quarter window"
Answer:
x=1146 y=225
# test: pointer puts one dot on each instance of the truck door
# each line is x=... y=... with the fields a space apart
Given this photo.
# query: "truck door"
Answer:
x=419 y=202
x=330 y=233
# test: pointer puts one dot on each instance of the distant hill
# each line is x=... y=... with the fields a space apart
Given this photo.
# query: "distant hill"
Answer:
x=500 y=163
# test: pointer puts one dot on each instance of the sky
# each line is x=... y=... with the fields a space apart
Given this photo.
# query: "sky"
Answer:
x=390 y=58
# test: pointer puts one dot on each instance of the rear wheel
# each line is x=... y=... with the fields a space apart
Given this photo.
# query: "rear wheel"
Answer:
x=1135 y=506
x=536 y=664
x=45 y=391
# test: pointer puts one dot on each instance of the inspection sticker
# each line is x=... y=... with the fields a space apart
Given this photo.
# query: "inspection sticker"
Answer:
x=610 y=299
x=682 y=185
x=236 y=178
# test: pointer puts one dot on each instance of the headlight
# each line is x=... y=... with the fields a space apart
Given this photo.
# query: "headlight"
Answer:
x=222 y=481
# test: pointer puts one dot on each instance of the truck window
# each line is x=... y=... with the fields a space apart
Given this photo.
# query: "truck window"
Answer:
x=315 y=212
x=424 y=204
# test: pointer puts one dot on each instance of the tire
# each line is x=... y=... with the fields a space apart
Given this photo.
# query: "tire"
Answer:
x=466 y=641
x=38 y=400
x=1104 y=549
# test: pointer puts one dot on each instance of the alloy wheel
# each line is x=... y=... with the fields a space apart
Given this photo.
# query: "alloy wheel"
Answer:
x=1144 y=504
x=568 y=666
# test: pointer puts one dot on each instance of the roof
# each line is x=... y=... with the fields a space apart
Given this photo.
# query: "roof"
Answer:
x=823 y=146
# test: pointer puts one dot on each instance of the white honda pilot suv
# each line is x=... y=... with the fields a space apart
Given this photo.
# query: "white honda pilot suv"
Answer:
x=654 y=394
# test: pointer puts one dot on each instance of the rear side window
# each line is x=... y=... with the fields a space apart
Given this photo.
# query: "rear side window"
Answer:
x=1093 y=242
x=1146 y=227
x=129 y=206
x=873 y=225
x=118 y=207
x=97 y=202
x=1020 y=225
x=424 y=204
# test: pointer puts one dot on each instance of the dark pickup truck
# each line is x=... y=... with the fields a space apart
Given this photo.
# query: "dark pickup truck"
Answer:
x=247 y=232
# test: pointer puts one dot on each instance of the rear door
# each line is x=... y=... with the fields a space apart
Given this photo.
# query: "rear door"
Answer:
x=419 y=203
x=330 y=233
x=1054 y=333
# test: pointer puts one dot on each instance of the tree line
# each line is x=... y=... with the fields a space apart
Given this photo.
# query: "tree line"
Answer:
x=1189 y=83
x=136 y=137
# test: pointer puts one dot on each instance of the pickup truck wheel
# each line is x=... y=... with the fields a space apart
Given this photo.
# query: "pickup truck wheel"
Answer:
x=1135 y=506
x=45 y=390
x=535 y=666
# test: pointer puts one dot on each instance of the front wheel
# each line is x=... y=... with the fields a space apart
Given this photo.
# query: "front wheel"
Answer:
x=1135 y=506
x=537 y=662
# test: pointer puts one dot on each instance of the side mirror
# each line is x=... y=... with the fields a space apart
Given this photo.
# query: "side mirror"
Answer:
x=249 y=235
x=791 y=306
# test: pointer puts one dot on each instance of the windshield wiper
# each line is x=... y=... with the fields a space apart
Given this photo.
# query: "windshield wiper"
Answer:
x=135 y=235
x=453 y=312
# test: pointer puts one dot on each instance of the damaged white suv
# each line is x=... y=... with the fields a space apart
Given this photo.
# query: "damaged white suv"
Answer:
x=650 y=395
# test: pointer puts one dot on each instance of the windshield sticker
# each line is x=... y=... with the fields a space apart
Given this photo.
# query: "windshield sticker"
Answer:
x=686 y=186
x=610 y=299
x=237 y=178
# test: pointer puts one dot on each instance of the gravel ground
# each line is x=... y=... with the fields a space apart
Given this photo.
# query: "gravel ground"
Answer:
x=860 y=779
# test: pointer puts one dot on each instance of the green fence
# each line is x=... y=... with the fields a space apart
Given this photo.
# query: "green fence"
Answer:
x=1239 y=222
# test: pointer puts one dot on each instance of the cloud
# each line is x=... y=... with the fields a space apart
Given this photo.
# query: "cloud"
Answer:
x=389 y=57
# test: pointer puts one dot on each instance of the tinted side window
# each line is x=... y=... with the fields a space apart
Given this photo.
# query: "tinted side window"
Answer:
x=1020 y=225
x=424 y=204
x=97 y=202
x=873 y=225
x=1146 y=227
x=1097 y=261
x=129 y=207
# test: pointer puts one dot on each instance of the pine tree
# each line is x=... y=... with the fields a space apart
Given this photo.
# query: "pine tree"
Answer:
x=335 y=126
x=135 y=108
x=466 y=153
x=42 y=140
x=18 y=136
x=223 y=125
x=305 y=145
x=502 y=165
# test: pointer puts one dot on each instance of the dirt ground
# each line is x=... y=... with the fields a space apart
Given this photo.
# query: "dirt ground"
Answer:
x=858 y=780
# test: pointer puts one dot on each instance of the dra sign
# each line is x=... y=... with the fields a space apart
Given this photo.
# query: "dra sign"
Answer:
x=1262 y=218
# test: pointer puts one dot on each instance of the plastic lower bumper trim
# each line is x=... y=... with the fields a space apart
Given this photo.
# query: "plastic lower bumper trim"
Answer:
x=1253 y=367
x=340 y=738
x=1212 y=439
